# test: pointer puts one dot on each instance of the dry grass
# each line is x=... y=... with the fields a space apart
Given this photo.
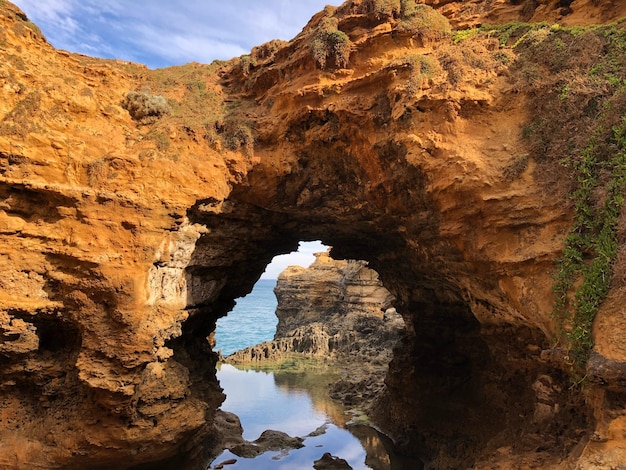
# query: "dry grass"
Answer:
x=20 y=121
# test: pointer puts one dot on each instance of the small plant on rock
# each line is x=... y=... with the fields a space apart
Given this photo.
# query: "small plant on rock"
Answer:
x=330 y=45
x=423 y=68
x=142 y=105
x=382 y=8
x=238 y=135
x=423 y=20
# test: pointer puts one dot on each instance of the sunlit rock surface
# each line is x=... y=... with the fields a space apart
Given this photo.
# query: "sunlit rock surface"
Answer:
x=338 y=313
x=123 y=241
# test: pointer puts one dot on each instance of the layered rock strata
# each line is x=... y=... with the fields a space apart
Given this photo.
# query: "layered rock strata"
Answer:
x=124 y=238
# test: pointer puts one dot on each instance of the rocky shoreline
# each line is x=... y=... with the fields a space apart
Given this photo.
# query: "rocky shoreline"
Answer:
x=336 y=312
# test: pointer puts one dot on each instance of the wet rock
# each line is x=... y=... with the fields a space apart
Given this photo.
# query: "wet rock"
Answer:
x=319 y=431
x=221 y=465
x=330 y=462
x=269 y=440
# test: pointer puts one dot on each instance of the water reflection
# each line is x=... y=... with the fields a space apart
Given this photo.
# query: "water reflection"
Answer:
x=297 y=403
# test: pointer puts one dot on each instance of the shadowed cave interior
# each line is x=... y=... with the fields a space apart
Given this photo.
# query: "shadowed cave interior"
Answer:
x=454 y=387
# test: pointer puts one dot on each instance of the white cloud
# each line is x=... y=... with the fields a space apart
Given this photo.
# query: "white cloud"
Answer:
x=165 y=32
x=303 y=257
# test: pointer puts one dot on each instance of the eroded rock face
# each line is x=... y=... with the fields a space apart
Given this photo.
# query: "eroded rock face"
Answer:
x=123 y=241
x=328 y=310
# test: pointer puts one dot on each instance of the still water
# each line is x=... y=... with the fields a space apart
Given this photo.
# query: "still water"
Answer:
x=290 y=400
x=297 y=403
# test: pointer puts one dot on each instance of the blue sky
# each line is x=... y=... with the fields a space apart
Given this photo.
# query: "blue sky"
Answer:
x=159 y=33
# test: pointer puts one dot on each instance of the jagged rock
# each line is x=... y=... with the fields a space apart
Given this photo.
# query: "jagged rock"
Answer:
x=269 y=440
x=333 y=310
x=124 y=241
x=340 y=312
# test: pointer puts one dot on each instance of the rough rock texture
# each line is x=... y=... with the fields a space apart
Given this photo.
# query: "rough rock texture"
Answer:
x=122 y=241
x=336 y=311
x=328 y=310
x=330 y=462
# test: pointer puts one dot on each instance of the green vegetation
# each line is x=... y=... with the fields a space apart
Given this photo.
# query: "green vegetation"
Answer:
x=415 y=18
x=196 y=108
x=330 y=46
x=246 y=63
x=424 y=21
x=423 y=67
x=509 y=34
x=293 y=363
x=592 y=245
x=143 y=105
x=382 y=8
x=196 y=105
x=577 y=79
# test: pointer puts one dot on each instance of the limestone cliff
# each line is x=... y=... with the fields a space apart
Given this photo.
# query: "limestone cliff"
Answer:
x=325 y=310
x=130 y=221
x=335 y=311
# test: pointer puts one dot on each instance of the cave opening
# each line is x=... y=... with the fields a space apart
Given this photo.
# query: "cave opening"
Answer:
x=333 y=317
x=253 y=320
x=467 y=373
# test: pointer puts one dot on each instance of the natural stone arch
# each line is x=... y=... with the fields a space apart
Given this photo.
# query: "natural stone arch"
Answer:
x=427 y=178
x=465 y=373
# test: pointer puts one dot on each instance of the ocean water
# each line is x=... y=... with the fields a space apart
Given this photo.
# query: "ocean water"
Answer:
x=293 y=402
x=252 y=321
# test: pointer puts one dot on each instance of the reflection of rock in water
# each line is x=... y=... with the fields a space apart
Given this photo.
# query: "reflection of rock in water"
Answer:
x=330 y=462
x=316 y=383
x=340 y=312
x=269 y=440
x=380 y=453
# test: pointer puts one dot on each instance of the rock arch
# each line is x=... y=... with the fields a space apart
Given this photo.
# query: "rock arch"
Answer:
x=120 y=253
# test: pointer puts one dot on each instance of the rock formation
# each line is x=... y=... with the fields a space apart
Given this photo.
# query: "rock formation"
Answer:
x=326 y=310
x=443 y=161
x=337 y=311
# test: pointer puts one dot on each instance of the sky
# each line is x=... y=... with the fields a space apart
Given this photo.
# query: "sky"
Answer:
x=303 y=257
x=160 y=33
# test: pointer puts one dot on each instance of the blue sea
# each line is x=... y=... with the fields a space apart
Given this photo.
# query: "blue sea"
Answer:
x=252 y=321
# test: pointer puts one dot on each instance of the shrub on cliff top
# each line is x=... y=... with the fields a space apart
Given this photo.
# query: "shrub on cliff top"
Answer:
x=381 y=8
x=423 y=68
x=142 y=105
x=424 y=21
x=330 y=45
